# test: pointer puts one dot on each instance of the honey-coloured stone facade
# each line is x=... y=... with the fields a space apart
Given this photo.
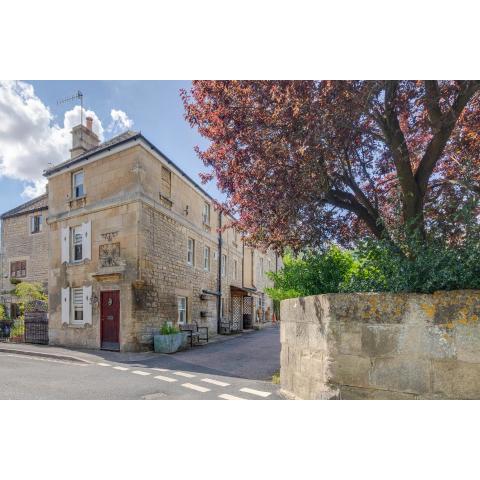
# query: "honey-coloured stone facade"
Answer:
x=20 y=244
x=142 y=205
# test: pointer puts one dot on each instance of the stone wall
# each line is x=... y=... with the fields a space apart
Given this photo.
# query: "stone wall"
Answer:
x=381 y=346
x=19 y=244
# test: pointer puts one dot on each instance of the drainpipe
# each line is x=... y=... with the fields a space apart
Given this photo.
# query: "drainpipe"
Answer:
x=219 y=281
x=243 y=263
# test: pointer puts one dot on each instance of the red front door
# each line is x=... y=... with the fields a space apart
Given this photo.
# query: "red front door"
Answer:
x=110 y=319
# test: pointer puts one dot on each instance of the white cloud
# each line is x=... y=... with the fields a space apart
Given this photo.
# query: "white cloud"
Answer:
x=30 y=140
x=120 y=121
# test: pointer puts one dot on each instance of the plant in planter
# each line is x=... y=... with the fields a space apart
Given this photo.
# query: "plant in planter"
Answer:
x=169 y=340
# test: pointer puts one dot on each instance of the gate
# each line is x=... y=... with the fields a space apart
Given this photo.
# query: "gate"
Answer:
x=36 y=328
x=237 y=319
x=247 y=312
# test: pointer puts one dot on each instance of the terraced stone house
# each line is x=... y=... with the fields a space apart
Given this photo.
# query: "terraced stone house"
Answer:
x=133 y=242
x=24 y=249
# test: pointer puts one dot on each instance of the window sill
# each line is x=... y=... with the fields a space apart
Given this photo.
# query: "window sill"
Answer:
x=75 y=325
x=76 y=264
x=77 y=202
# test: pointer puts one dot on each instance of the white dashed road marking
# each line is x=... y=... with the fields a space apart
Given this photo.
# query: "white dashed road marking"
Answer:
x=122 y=369
x=215 y=382
x=226 y=396
x=104 y=364
x=139 y=372
x=166 y=379
x=184 y=374
x=198 y=388
x=161 y=369
x=255 y=392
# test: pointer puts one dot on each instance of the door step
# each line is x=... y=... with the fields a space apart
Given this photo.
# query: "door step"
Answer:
x=113 y=346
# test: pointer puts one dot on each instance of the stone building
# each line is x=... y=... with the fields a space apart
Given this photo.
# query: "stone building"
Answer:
x=24 y=248
x=134 y=242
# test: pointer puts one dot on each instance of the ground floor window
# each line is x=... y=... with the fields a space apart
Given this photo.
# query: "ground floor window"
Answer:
x=18 y=269
x=182 y=310
x=77 y=305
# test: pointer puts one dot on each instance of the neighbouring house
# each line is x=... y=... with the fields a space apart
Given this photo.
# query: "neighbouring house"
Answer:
x=24 y=249
x=134 y=242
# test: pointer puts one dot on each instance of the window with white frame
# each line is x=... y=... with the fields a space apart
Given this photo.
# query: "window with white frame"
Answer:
x=35 y=223
x=77 y=244
x=191 y=252
x=77 y=305
x=182 y=310
x=261 y=266
x=77 y=184
x=224 y=265
x=206 y=213
x=206 y=259
x=235 y=269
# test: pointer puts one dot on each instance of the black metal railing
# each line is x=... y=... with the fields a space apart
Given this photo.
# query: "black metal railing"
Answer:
x=31 y=329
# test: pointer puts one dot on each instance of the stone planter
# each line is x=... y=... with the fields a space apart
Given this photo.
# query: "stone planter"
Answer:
x=168 y=343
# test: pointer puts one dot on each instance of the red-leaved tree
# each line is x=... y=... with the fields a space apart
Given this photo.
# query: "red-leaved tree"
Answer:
x=304 y=162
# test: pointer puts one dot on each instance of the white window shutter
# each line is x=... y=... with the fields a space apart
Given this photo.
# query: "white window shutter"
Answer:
x=87 y=304
x=65 y=305
x=87 y=241
x=65 y=239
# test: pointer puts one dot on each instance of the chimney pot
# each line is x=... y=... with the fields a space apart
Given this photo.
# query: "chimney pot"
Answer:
x=90 y=123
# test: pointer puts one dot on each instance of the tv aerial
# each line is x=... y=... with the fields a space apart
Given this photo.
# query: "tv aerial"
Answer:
x=77 y=96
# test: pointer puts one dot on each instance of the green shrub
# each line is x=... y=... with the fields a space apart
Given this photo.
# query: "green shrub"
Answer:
x=418 y=267
x=3 y=315
x=414 y=265
x=168 y=329
x=311 y=273
x=28 y=292
x=18 y=328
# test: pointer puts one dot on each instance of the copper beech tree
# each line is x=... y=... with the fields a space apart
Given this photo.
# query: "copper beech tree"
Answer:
x=304 y=162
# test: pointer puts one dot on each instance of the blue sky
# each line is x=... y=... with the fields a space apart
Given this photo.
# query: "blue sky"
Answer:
x=37 y=127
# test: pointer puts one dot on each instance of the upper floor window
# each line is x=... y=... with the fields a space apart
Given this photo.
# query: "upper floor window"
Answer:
x=166 y=184
x=77 y=244
x=18 y=269
x=224 y=265
x=206 y=213
x=78 y=188
x=35 y=224
x=206 y=259
x=261 y=266
x=234 y=269
x=191 y=251
x=182 y=310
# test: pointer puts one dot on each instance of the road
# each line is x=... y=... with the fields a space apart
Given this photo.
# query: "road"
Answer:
x=239 y=368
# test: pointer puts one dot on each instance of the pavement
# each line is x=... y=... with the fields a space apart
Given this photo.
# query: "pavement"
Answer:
x=233 y=368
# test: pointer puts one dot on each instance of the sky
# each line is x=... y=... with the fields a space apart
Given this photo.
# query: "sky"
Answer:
x=35 y=129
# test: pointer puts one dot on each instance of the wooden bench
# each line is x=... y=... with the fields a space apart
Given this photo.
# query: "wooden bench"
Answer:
x=194 y=333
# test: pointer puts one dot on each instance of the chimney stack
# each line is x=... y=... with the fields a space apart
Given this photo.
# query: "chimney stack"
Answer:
x=83 y=138
x=90 y=123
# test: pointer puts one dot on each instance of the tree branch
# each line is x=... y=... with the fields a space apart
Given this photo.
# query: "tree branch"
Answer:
x=348 y=202
x=440 y=138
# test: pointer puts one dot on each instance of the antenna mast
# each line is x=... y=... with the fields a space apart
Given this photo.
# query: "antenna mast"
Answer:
x=77 y=96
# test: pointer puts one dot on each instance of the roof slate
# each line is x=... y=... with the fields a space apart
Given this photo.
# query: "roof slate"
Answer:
x=129 y=134
x=39 y=203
